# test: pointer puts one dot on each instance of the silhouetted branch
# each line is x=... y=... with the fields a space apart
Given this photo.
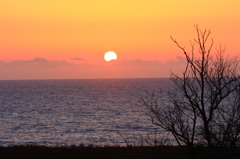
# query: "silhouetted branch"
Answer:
x=205 y=103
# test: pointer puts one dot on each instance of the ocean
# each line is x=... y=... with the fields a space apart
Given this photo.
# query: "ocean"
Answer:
x=71 y=112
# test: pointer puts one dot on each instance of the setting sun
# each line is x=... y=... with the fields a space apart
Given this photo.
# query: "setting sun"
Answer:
x=110 y=55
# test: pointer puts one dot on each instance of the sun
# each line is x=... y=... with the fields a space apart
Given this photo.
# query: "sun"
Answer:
x=110 y=55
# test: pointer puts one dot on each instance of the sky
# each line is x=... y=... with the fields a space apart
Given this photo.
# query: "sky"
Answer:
x=59 y=39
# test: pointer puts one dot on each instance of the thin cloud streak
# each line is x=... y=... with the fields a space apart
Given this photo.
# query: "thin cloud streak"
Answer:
x=139 y=62
x=178 y=61
x=36 y=62
x=77 y=59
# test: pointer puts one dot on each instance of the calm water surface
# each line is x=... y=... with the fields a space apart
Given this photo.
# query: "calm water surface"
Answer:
x=56 y=112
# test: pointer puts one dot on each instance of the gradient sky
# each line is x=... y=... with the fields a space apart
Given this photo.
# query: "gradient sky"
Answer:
x=59 y=39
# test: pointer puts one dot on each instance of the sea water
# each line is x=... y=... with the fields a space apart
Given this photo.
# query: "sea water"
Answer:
x=71 y=112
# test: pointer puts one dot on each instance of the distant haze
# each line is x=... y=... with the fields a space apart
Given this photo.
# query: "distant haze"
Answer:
x=40 y=68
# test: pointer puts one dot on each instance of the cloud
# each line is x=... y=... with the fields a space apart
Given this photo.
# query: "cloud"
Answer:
x=42 y=62
x=178 y=61
x=41 y=68
x=37 y=62
x=77 y=59
x=144 y=63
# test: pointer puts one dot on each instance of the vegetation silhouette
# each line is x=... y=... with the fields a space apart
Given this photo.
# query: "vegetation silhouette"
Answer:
x=203 y=108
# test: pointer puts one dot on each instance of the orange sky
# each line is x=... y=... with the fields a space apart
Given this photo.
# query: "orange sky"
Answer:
x=55 y=39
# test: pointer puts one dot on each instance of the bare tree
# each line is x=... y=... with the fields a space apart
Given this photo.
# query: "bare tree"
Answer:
x=204 y=106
